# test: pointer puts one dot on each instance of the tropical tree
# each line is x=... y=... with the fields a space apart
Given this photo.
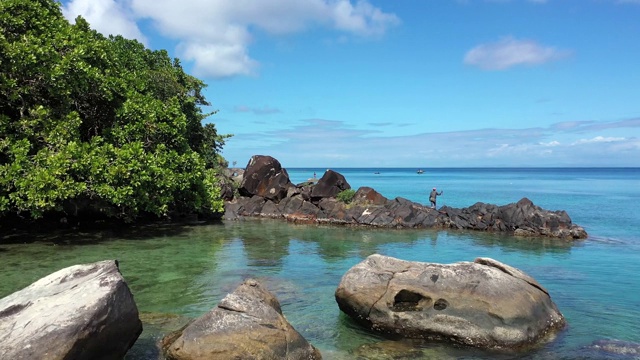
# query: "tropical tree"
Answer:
x=97 y=125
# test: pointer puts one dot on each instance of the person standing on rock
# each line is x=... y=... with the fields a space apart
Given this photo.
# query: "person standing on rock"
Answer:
x=432 y=197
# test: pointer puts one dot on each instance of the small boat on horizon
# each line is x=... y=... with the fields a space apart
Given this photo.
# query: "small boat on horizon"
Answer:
x=420 y=171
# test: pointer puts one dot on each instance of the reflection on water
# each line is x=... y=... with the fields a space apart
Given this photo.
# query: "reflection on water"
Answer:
x=177 y=273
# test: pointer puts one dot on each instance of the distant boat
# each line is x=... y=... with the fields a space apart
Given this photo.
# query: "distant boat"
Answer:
x=420 y=171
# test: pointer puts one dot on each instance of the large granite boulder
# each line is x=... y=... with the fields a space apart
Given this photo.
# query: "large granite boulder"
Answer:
x=484 y=303
x=265 y=177
x=329 y=185
x=80 y=312
x=246 y=324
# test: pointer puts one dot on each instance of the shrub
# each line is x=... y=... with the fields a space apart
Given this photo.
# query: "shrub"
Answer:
x=346 y=196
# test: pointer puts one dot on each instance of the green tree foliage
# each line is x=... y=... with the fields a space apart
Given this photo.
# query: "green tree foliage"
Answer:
x=96 y=124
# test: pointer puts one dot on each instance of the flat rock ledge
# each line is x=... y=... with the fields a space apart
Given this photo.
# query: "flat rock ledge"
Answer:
x=484 y=304
x=265 y=191
x=247 y=324
x=80 y=312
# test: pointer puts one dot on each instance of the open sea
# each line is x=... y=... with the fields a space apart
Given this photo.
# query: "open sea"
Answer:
x=179 y=272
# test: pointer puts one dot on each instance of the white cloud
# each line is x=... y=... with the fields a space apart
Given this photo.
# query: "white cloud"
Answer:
x=307 y=142
x=107 y=16
x=599 y=139
x=216 y=34
x=363 y=19
x=265 y=110
x=218 y=60
x=509 y=52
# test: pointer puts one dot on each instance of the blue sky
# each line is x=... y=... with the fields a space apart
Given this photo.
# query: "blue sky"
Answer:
x=404 y=83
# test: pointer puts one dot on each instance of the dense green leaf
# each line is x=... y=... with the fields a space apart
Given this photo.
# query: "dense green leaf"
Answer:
x=96 y=124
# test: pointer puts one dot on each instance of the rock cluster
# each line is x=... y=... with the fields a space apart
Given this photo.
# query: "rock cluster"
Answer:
x=485 y=303
x=88 y=312
x=266 y=191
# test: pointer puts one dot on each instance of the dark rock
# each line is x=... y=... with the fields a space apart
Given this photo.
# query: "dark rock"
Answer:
x=291 y=205
x=80 y=312
x=246 y=324
x=226 y=192
x=329 y=185
x=368 y=196
x=265 y=177
x=271 y=210
x=298 y=209
x=335 y=209
x=485 y=304
x=231 y=209
x=251 y=206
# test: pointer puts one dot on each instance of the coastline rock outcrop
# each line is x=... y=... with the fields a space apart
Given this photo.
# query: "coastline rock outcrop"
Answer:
x=80 y=312
x=329 y=185
x=485 y=303
x=266 y=191
x=265 y=177
x=522 y=219
x=247 y=324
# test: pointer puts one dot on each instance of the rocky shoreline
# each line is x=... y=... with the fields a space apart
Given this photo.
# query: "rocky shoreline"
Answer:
x=265 y=190
x=88 y=312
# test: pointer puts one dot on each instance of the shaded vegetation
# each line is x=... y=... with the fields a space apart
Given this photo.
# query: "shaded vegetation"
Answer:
x=98 y=126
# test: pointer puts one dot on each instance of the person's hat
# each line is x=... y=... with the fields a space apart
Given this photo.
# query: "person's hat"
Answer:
x=434 y=188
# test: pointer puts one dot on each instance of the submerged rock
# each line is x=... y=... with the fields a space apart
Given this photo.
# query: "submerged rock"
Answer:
x=620 y=349
x=485 y=303
x=246 y=324
x=404 y=349
x=80 y=312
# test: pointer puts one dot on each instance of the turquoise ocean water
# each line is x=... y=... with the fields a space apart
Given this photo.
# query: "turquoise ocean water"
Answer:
x=177 y=273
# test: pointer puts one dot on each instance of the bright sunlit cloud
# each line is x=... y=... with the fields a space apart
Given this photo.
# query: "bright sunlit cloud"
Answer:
x=107 y=16
x=217 y=34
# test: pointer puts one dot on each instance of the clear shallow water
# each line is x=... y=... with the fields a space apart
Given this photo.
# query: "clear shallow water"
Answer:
x=180 y=272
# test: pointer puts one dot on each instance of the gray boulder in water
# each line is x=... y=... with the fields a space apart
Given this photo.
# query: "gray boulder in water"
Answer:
x=246 y=324
x=485 y=303
x=80 y=312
